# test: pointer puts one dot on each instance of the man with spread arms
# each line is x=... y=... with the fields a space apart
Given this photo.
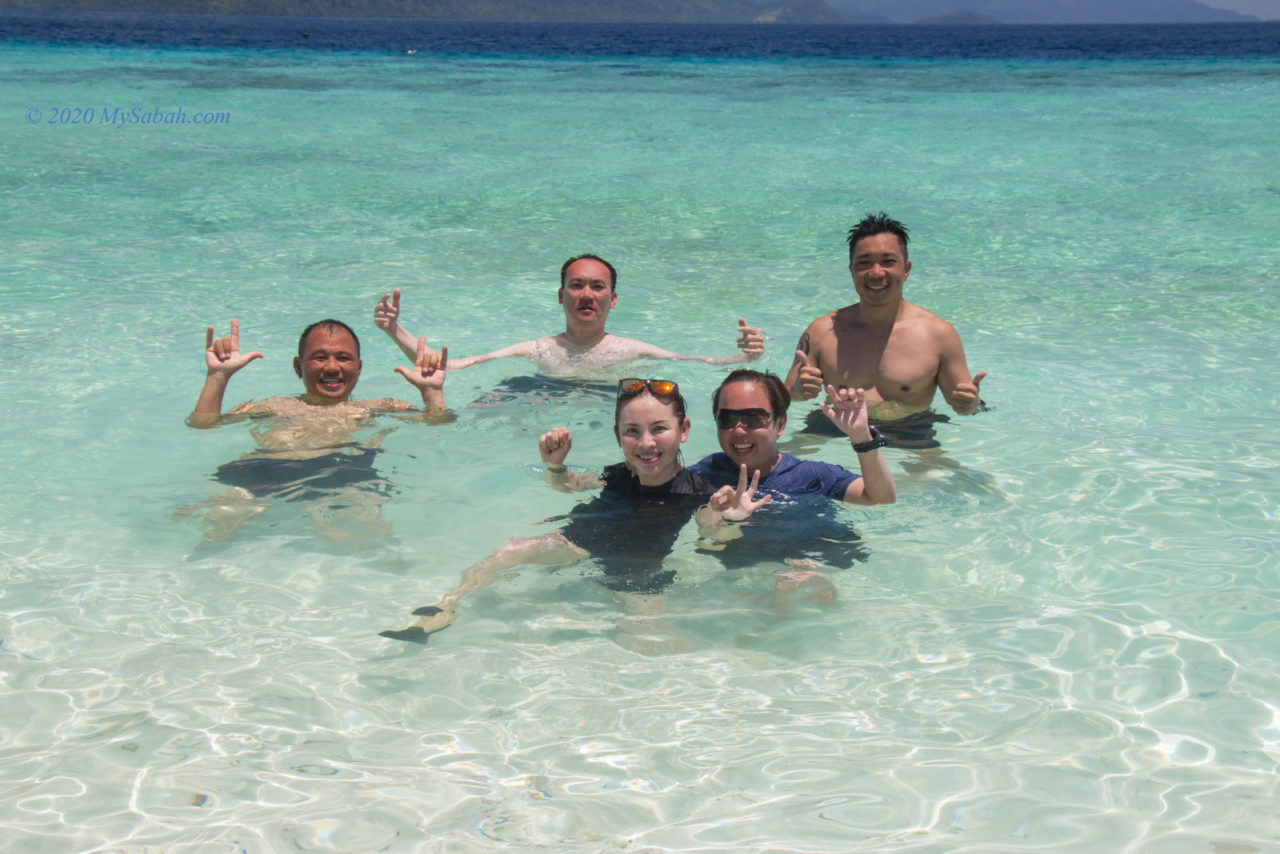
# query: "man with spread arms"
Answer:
x=588 y=292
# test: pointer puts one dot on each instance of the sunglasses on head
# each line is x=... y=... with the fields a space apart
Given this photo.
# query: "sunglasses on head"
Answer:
x=660 y=388
x=751 y=419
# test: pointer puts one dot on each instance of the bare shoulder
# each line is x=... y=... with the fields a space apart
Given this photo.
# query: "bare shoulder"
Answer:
x=826 y=324
x=281 y=406
x=385 y=404
x=929 y=330
x=928 y=320
x=626 y=348
x=544 y=347
x=249 y=407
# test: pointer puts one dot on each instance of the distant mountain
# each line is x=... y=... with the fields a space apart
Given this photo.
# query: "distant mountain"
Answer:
x=1035 y=11
x=552 y=11
x=689 y=11
x=961 y=19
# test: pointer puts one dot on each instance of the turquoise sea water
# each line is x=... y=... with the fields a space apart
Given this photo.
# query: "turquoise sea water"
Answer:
x=1063 y=639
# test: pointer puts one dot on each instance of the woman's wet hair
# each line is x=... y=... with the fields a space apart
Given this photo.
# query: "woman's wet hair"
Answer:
x=330 y=325
x=776 y=389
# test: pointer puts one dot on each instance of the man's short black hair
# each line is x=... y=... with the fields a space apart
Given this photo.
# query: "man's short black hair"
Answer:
x=613 y=274
x=331 y=325
x=877 y=223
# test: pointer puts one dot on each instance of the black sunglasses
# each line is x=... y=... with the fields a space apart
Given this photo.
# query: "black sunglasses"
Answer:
x=660 y=388
x=751 y=419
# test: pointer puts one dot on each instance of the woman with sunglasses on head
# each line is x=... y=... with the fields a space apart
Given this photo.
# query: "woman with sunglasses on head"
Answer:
x=632 y=525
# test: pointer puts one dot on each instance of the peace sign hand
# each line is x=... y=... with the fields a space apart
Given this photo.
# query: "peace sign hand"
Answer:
x=737 y=504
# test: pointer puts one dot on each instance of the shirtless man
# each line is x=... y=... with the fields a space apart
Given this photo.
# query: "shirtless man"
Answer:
x=307 y=450
x=587 y=293
x=328 y=363
x=896 y=350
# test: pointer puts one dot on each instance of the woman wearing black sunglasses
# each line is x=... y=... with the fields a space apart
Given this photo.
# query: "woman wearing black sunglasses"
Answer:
x=631 y=526
x=750 y=408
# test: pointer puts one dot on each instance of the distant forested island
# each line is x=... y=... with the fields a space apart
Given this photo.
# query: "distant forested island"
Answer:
x=972 y=12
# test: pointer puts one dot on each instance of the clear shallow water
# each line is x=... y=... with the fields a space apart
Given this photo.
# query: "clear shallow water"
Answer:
x=1064 y=642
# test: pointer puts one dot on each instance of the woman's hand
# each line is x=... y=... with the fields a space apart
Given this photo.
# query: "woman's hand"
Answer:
x=737 y=504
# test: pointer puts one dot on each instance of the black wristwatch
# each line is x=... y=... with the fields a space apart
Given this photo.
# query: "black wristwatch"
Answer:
x=877 y=440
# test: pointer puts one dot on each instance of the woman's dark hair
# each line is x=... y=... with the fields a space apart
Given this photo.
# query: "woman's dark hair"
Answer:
x=676 y=399
x=779 y=397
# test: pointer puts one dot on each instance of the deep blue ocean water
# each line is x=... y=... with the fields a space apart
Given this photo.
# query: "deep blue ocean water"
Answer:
x=1063 y=636
x=1137 y=41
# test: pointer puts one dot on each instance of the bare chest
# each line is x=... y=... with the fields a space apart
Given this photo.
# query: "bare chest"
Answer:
x=900 y=366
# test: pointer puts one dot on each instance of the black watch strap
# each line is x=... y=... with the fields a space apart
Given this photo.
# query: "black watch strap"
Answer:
x=877 y=440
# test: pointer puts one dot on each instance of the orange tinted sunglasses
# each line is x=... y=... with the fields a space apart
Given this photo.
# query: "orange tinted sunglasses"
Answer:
x=660 y=388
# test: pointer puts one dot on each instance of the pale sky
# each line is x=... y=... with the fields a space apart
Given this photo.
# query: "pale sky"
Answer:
x=1265 y=9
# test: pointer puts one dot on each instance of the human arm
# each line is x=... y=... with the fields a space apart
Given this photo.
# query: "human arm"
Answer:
x=750 y=344
x=848 y=411
x=428 y=375
x=553 y=447
x=386 y=316
x=730 y=504
x=526 y=349
x=959 y=389
x=222 y=358
x=804 y=380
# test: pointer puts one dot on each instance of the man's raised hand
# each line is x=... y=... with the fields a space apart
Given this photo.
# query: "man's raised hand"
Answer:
x=964 y=398
x=222 y=355
x=808 y=377
x=429 y=368
x=750 y=340
x=387 y=313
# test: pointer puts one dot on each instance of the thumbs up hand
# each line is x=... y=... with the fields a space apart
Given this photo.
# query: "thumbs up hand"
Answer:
x=808 y=376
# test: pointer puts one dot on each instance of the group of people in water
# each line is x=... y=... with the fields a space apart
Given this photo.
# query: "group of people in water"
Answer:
x=881 y=358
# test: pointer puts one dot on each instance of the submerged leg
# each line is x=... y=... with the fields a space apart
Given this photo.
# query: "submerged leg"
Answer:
x=223 y=514
x=548 y=550
x=802 y=581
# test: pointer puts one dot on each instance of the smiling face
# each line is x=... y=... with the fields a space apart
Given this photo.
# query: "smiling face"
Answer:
x=757 y=446
x=587 y=294
x=879 y=266
x=329 y=365
x=649 y=432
